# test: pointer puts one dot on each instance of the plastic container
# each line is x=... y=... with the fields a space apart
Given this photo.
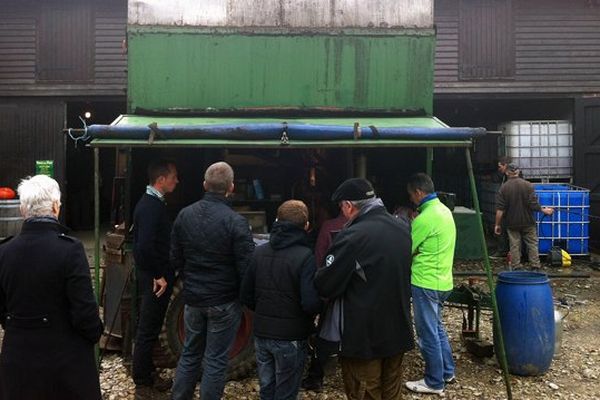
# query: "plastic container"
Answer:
x=542 y=149
x=526 y=312
x=568 y=227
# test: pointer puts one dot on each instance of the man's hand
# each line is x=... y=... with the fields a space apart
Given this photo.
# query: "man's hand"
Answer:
x=548 y=210
x=498 y=230
x=160 y=285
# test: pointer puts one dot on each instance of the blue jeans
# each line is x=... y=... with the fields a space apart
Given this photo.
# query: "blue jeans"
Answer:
x=433 y=340
x=280 y=364
x=209 y=334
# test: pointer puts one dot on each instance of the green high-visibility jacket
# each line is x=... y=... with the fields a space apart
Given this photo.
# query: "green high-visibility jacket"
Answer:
x=433 y=243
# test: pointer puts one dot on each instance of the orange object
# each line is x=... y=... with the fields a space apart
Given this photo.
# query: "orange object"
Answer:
x=7 y=193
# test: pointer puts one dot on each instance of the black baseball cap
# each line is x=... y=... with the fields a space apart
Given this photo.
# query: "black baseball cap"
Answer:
x=353 y=189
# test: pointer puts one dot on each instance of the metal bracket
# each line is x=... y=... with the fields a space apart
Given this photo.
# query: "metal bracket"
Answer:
x=285 y=140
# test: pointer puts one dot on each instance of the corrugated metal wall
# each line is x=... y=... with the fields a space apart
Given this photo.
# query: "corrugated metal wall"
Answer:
x=30 y=130
x=557 y=49
x=102 y=65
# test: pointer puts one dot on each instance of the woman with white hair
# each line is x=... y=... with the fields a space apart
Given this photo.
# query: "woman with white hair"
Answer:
x=47 y=305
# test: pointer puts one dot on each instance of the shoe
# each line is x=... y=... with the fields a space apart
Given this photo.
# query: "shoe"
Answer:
x=421 y=387
x=498 y=255
x=311 y=384
x=450 y=381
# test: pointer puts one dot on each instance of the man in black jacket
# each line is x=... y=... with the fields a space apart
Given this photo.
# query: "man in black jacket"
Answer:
x=155 y=276
x=366 y=278
x=211 y=245
x=279 y=288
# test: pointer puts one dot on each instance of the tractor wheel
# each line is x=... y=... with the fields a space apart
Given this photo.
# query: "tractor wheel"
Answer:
x=241 y=356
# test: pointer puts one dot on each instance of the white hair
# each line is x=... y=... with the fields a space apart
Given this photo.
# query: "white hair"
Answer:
x=37 y=195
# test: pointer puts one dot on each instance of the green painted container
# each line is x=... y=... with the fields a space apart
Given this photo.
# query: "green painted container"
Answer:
x=244 y=54
x=179 y=70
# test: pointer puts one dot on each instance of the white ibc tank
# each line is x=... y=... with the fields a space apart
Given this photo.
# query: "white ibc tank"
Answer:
x=542 y=149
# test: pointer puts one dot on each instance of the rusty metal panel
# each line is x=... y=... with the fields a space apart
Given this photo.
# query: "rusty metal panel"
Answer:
x=65 y=41
x=30 y=130
x=283 y=13
x=17 y=44
x=486 y=38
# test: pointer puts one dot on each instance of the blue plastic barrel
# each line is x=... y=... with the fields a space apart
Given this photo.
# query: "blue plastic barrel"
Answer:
x=526 y=313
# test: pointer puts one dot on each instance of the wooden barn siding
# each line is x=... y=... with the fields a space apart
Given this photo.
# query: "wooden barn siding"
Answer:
x=30 y=130
x=557 y=49
x=18 y=42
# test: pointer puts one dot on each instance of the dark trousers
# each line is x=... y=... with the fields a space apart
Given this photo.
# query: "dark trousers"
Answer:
x=151 y=317
x=321 y=354
x=379 y=379
x=280 y=364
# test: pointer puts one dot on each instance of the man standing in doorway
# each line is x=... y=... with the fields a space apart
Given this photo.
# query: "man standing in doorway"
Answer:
x=433 y=243
x=515 y=203
x=211 y=245
x=366 y=278
x=155 y=276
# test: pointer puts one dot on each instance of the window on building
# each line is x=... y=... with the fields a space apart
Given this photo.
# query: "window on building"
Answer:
x=486 y=39
x=65 y=36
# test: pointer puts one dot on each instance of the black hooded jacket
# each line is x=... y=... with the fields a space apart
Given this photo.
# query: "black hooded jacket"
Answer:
x=279 y=286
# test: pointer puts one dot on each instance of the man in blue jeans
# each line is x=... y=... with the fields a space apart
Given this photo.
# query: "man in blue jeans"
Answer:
x=211 y=245
x=433 y=241
x=279 y=288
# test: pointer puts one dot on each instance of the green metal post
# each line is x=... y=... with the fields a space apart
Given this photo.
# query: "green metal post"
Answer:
x=97 y=234
x=429 y=161
x=490 y=278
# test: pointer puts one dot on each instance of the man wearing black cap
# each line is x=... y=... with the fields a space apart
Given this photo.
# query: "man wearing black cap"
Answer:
x=515 y=203
x=366 y=278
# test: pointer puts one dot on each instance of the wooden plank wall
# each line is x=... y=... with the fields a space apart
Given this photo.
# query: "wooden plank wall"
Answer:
x=19 y=41
x=30 y=130
x=557 y=49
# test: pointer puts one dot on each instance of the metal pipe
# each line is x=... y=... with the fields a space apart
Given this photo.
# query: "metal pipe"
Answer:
x=429 y=166
x=274 y=131
x=97 y=235
x=361 y=166
x=488 y=272
x=572 y=275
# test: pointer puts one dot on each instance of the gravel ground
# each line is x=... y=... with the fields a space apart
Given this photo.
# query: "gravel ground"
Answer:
x=573 y=375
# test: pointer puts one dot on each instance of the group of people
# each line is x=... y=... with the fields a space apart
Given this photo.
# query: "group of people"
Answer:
x=369 y=265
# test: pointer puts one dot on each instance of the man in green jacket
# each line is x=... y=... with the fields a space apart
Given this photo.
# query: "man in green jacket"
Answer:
x=433 y=242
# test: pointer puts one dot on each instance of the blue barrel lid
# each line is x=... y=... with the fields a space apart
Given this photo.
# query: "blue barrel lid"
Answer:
x=523 y=277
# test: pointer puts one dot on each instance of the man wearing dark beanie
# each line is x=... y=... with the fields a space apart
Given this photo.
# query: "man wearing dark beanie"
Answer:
x=366 y=278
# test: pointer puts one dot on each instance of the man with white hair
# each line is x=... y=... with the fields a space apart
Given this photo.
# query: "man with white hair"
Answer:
x=211 y=245
x=47 y=305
